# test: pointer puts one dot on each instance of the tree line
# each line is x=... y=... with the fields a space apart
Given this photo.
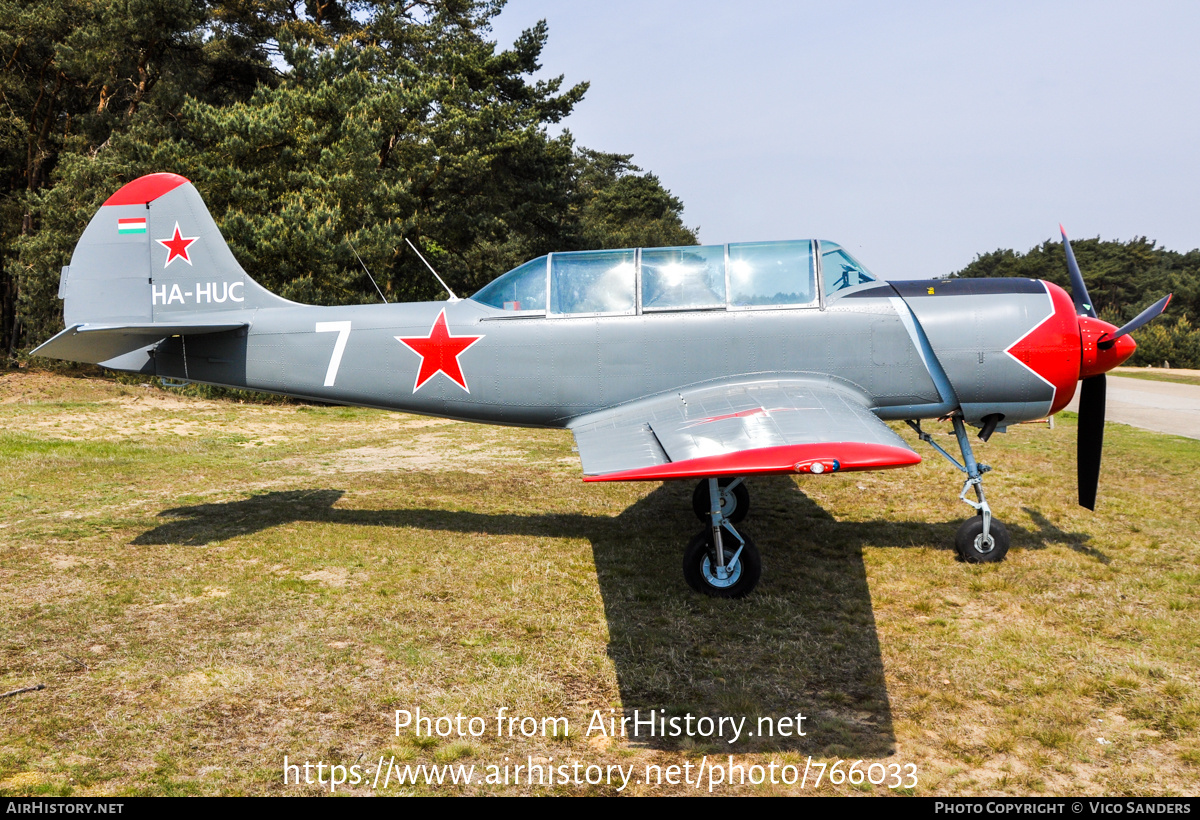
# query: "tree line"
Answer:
x=318 y=131
x=1122 y=279
x=324 y=131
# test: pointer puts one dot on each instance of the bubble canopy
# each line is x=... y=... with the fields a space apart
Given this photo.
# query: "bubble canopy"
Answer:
x=737 y=276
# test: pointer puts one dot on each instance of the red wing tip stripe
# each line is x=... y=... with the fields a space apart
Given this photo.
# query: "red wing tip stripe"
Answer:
x=850 y=455
x=145 y=189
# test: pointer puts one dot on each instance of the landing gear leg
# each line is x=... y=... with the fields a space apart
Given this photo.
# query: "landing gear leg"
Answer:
x=715 y=564
x=735 y=500
x=983 y=539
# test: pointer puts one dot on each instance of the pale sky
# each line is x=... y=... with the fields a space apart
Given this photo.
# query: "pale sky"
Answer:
x=918 y=135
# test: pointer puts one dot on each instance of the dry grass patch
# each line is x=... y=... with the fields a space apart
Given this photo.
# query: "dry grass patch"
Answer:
x=280 y=579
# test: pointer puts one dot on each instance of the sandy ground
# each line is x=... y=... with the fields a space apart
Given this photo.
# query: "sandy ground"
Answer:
x=1162 y=406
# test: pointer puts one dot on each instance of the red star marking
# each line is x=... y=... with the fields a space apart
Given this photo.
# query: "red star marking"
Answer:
x=439 y=352
x=177 y=246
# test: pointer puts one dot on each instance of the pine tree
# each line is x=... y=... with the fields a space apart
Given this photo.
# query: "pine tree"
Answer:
x=351 y=128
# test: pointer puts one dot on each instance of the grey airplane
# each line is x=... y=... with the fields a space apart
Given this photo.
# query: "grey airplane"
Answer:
x=709 y=363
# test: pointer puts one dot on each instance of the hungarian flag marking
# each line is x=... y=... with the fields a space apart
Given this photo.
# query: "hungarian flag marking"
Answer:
x=136 y=225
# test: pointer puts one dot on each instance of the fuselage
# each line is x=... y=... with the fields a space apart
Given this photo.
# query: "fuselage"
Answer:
x=911 y=350
x=153 y=288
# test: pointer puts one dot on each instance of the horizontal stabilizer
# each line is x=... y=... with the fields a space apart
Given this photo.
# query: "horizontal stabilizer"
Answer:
x=99 y=343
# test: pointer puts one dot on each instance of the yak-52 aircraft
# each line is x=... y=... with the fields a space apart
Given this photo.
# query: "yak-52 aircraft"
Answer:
x=712 y=362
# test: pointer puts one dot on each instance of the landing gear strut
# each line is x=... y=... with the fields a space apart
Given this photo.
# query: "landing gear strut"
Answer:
x=719 y=561
x=735 y=500
x=983 y=539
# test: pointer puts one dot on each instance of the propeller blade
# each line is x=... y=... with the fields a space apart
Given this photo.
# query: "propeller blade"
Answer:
x=1142 y=318
x=1091 y=438
x=1079 y=294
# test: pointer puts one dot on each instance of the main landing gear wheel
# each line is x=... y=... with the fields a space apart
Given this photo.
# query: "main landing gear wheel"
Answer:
x=739 y=577
x=974 y=548
x=735 y=503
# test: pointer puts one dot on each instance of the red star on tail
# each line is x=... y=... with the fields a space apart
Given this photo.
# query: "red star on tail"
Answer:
x=177 y=246
x=439 y=352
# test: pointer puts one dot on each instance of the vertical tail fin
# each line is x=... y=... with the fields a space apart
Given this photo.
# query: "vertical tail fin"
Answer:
x=153 y=253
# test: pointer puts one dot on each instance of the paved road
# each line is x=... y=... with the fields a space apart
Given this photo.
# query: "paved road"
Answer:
x=1163 y=406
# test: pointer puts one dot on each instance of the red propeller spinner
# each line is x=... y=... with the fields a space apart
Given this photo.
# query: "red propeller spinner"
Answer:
x=1095 y=360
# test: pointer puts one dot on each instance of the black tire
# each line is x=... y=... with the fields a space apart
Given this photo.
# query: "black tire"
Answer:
x=741 y=502
x=968 y=541
x=700 y=558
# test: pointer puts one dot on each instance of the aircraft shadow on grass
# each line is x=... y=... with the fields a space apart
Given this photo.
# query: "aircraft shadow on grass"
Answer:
x=804 y=642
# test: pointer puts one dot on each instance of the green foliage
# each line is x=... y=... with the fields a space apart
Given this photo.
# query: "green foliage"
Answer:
x=377 y=122
x=1122 y=279
x=79 y=71
x=622 y=209
x=1163 y=341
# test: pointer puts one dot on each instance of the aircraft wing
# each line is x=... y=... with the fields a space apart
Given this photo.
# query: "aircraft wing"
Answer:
x=775 y=426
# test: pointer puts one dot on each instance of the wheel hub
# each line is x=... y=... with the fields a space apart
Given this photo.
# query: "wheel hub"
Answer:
x=984 y=544
x=713 y=574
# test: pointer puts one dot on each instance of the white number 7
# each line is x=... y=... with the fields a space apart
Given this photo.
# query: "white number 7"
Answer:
x=339 y=347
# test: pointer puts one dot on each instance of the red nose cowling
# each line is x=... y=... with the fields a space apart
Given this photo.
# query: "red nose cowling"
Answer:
x=1051 y=349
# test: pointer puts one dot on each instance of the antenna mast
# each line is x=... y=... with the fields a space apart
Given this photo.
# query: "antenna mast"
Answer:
x=453 y=298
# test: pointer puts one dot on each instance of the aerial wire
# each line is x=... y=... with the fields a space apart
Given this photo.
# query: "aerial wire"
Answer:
x=364 y=267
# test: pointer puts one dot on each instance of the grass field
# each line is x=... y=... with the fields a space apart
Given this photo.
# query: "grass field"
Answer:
x=205 y=587
x=1157 y=374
